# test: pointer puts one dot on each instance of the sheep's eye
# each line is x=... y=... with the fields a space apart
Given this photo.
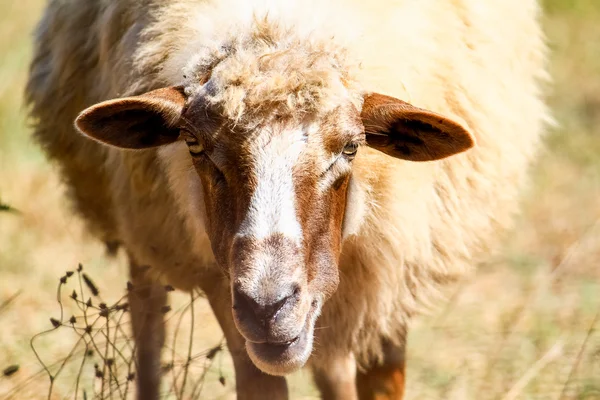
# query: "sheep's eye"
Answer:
x=194 y=147
x=350 y=150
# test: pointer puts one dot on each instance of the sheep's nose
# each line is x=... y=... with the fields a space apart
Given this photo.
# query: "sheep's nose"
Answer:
x=264 y=310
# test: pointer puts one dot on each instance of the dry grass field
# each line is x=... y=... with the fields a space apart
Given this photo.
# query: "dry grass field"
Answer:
x=526 y=325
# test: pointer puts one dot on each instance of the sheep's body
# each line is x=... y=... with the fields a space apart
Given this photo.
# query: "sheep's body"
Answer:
x=417 y=225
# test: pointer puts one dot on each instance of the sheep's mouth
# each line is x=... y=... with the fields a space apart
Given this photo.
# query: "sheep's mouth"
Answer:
x=282 y=358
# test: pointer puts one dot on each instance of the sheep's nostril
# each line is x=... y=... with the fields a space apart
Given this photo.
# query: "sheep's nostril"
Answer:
x=243 y=303
x=296 y=291
x=263 y=311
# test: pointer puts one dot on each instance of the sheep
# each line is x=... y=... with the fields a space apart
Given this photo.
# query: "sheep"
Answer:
x=329 y=165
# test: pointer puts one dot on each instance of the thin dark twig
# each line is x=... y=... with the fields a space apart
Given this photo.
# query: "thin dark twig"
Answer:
x=61 y=367
x=210 y=354
x=17 y=389
x=191 y=341
x=110 y=362
x=83 y=359
x=115 y=350
x=175 y=334
x=104 y=340
x=129 y=365
x=201 y=379
x=7 y=208
x=104 y=365
x=56 y=326
x=7 y=302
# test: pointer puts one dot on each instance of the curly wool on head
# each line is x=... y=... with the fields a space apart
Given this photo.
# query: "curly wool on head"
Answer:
x=270 y=71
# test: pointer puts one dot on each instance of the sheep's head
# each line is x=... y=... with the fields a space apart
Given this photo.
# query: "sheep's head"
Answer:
x=273 y=194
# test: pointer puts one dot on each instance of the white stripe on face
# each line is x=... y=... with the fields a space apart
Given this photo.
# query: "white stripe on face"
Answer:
x=272 y=208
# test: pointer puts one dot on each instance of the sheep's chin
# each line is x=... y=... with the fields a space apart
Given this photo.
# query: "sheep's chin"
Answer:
x=283 y=359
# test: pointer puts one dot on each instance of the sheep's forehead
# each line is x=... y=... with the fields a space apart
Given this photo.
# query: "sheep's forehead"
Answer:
x=250 y=99
x=272 y=71
x=318 y=133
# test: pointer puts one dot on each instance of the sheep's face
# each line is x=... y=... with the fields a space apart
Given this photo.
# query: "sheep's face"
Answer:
x=274 y=196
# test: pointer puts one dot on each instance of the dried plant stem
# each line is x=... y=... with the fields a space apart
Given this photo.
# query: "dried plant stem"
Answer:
x=174 y=346
x=7 y=302
x=104 y=366
x=521 y=311
x=83 y=359
x=579 y=355
x=191 y=341
x=554 y=352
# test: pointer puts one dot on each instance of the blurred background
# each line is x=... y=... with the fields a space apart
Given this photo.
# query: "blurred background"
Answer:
x=525 y=326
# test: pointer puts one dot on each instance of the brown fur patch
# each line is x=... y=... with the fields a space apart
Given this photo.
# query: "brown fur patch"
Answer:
x=386 y=380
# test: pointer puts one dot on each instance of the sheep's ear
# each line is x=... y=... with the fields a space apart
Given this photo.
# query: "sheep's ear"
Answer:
x=411 y=133
x=138 y=122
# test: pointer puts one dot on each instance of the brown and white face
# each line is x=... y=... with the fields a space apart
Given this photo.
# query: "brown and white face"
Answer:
x=274 y=196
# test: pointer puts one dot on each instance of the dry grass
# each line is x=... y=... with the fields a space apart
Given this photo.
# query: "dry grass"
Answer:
x=524 y=327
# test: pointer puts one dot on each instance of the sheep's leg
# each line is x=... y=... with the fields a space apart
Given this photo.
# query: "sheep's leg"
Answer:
x=146 y=299
x=251 y=383
x=336 y=379
x=384 y=381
